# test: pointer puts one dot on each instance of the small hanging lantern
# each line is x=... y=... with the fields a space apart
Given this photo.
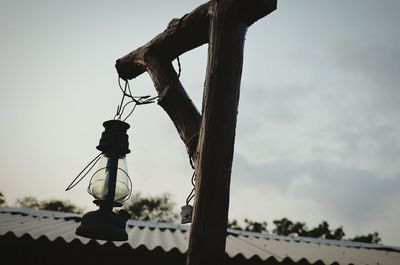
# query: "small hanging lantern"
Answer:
x=186 y=214
x=187 y=209
x=110 y=185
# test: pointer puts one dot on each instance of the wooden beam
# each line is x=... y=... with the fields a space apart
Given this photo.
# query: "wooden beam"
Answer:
x=181 y=35
x=187 y=33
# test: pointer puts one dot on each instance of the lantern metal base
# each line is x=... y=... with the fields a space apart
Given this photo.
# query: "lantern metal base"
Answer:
x=104 y=225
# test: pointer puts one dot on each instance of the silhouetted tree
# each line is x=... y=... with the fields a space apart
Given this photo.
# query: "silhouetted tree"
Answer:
x=2 y=199
x=50 y=205
x=283 y=227
x=370 y=238
x=299 y=229
x=28 y=202
x=156 y=209
x=252 y=226
x=60 y=206
x=338 y=233
x=233 y=224
x=321 y=231
x=161 y=209
x=286 y=227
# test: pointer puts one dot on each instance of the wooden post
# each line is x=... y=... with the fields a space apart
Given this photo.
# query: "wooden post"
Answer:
x=223 y=24
x=217 y=135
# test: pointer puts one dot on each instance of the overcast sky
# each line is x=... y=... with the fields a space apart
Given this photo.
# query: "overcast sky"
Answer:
x=318 y=134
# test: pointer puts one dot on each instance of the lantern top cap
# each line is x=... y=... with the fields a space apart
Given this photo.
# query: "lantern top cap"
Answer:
x=116 y=125
x=114 y=139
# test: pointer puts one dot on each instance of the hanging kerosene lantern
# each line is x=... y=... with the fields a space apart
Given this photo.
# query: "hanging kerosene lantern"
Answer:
x=110 y=185
x=187 y=209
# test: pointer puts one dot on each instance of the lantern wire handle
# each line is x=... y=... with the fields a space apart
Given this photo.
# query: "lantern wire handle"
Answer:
x=137 y=100
x=90 y=165
x=130 y=113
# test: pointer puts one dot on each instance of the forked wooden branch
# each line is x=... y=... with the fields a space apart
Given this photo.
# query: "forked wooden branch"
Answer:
x=182 y=35
x=174 y=100
x=155 y=57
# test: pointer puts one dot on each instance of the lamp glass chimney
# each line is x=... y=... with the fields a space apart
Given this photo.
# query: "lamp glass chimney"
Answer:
x=99 y=184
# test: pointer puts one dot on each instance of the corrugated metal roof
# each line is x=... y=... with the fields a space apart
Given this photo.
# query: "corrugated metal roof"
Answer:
x=169 y=237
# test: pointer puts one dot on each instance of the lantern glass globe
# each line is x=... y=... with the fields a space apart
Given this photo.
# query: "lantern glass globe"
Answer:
x=99 y=184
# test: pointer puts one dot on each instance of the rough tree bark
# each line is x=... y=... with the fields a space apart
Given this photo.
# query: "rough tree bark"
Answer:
x=217 y=135
x=184 y=114
x=223 y=24
x=155 y=57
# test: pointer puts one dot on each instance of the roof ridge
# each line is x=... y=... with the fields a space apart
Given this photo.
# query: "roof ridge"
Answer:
x=184 y=228
x=330 y=242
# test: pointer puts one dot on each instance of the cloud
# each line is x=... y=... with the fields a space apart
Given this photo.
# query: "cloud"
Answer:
x=343 y=104
x=321 y=132
x=352 y=195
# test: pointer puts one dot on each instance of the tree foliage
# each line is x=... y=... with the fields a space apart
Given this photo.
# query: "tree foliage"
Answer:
x=253 y=226
x=250 y=226
x=323 y=231
x=2 y=199
x=50 y=205
x=156 y=209
x=285 y=227
x=28 y=202
x=162 y=209
x=233 y=224
x=60 y=206
x=370 y=238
